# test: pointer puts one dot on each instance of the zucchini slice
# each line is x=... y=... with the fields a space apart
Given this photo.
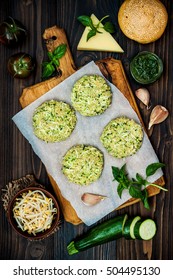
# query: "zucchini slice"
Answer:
x=128 y=231
x=145 y=230
x=107 y=231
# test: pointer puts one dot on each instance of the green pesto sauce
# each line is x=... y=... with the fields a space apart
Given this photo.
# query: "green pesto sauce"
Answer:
x=146 y=67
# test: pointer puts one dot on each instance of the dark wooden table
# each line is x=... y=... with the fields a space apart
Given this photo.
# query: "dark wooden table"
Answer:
x=17 y=158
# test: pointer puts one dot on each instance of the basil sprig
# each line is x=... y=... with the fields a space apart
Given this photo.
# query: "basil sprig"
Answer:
x=135 y=185
x=49 y=68
x=87 y=21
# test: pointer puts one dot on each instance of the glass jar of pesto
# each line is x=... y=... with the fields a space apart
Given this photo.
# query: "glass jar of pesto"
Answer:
x=146 y=67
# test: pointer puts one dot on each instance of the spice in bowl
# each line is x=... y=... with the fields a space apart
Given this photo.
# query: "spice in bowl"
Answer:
x=146 y=67
x=34 y=213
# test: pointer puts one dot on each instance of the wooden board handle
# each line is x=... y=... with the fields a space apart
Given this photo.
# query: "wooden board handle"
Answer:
x=53 y=36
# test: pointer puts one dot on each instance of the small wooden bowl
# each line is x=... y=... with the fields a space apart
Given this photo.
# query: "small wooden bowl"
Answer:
x=40 y=235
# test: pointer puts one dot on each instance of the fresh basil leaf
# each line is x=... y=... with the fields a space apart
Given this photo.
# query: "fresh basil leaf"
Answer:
x=115 y=172
x=50 y=55
x=134 y=185
x=91 y=33
x=86 y=21
x=140 y=179
x=56 y=62
x=144 y=199
x=123 y=169
x=120 y=189
x=152 y=168
x=109 y=27
x=60 y=51
x=135 y=192
x=47 y=70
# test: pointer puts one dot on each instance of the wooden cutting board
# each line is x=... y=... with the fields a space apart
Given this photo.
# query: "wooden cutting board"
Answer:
x=113 y=70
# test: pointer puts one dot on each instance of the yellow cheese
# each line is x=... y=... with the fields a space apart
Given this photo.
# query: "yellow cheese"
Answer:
x=100 y=42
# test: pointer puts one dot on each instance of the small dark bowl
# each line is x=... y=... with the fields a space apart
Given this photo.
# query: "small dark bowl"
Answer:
x=40 y=235
x=146 y=67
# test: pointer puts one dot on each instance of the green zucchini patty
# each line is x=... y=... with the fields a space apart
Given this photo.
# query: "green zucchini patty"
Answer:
x=54 y=121
x=122 y=137
x=82 y=164
x=91 y=95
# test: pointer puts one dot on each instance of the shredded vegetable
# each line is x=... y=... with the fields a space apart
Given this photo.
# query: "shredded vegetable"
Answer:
x=122 y=137
x=54 y=121
x=34 y=212
x=91 y=95
x=83 y=164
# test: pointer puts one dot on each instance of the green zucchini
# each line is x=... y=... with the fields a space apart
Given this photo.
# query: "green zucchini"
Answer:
x=120 y=226
x=102 y=233
x=128 y=230
x=145 y=229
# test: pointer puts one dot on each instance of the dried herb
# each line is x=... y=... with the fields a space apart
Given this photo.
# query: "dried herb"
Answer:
x=49 y=68
x=87 y=21
x=135 y=185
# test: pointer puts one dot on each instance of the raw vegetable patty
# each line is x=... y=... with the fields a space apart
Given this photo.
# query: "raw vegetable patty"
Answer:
x=91 y=95
x=122 y=137
x=82 y=164
x=54 y=121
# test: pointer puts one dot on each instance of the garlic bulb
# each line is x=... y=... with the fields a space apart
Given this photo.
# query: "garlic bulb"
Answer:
x=144 y=96
x=158 y=115
x=91 y=199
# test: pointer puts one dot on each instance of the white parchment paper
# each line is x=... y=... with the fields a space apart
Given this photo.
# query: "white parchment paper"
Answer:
x=87 y=131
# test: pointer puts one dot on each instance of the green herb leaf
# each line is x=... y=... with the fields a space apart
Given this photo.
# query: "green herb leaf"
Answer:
x=152 y=168
x=144 y=199
x=56 y=62
x=109 y=27
x=47 y=70
x=123 y=169
x=120 y=189
x=135 y=192
x=50 y=55
x=86 y=21
x=135 y=186
x=140 y=179
x=60 y=51
x=120 y=176
x=115 y=172
x=91 y=33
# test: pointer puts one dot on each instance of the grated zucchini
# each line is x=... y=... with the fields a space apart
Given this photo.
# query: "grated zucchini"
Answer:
x=82 y=164
x=122 y=137
x=54 y=121
x=91 y=95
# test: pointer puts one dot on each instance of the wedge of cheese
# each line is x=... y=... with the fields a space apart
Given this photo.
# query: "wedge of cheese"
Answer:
x=100 y=42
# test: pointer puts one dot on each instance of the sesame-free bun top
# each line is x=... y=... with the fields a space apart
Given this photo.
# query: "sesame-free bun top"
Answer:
x=143 y=21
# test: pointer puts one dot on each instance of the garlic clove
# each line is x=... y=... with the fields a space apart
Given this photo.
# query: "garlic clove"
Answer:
x=144 y=96
x=91 y=199
x=158 y=115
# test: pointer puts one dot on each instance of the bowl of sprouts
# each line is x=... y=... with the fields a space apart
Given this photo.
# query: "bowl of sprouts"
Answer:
x=34 y=213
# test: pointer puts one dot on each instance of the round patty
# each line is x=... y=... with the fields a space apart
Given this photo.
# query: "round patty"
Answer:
x=54 y=121
x=82 y=164
x=91 y=95
x=143 y=20
x=122 y=137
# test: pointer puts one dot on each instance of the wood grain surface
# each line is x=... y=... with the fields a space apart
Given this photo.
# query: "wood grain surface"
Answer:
x=18 y=159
